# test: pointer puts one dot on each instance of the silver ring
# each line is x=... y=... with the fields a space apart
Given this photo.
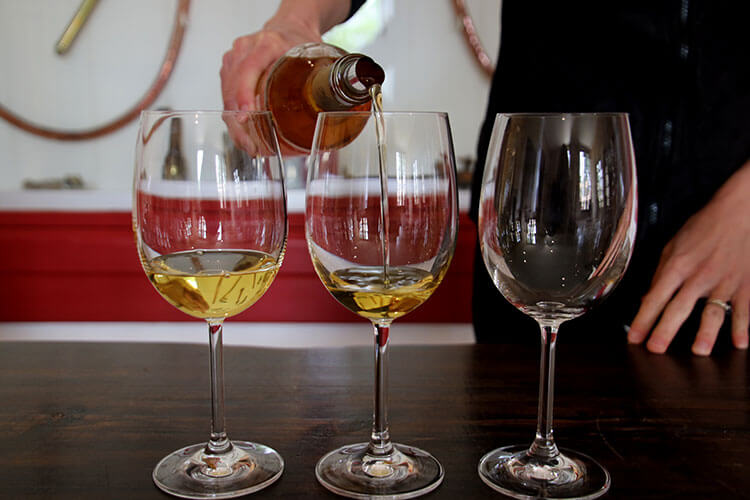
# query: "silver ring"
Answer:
x=718 y=302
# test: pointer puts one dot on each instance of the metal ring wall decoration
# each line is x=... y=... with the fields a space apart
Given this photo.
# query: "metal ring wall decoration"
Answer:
x=175 y=42
x=472 y=38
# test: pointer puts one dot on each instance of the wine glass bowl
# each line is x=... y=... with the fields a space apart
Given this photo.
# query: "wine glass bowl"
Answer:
x=209 y=219
x=557 y=222
x=573 y=248
x=381 y=224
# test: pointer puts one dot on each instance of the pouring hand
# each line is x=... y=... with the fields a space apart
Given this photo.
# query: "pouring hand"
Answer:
x=293 y=23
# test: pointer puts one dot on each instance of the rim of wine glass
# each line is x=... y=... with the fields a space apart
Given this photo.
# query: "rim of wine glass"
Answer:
x=572 y=114
x=385 y=113
x=203 y=112
x=159 y=116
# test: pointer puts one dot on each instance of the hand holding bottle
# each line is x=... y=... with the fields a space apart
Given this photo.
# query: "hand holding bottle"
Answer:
x=249 y=57
x=252 y=55
x=294 y=23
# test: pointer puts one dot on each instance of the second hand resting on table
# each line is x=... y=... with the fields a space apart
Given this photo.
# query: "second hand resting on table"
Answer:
x=709 y=257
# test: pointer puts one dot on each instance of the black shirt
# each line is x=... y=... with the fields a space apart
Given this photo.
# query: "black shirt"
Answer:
x=680 y=68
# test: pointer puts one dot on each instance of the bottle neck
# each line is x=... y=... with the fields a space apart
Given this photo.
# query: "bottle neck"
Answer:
x=345 y=83
x=351 y=77
x=174 y=164
x=175 y=133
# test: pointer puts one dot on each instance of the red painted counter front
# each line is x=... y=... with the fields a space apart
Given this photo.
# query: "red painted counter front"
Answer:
x=83 y=266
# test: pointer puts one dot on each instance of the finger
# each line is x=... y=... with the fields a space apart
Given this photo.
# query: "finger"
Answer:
x=237 y=73
x=741 y=317
x=227 y=87
x=241 y=83
x=246 y=81
x=258 y=55
x=675 y=313
x=227 y=62
x=712 y=318
x=243 y=43
x=663 y=287
x=231 y=105
x=666 y=255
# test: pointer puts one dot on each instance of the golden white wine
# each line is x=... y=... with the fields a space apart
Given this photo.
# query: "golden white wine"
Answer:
x=212 y=283
x=363 y=290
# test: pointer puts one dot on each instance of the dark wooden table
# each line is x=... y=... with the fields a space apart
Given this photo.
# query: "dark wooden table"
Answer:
x=90 y=420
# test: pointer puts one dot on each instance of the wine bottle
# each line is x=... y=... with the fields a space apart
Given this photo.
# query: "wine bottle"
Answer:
x=316 y=77
x=174 y=162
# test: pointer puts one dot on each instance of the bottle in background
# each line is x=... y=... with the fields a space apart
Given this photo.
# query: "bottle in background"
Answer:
x=317 y=77
x=174 y=162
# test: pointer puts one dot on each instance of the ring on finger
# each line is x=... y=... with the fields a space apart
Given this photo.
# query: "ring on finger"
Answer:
x=718 y=302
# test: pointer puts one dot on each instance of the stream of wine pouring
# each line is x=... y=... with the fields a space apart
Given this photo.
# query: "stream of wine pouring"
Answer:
x=377 y=113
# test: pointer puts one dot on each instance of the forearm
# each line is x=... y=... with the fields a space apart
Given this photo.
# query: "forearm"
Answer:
x=317 y=16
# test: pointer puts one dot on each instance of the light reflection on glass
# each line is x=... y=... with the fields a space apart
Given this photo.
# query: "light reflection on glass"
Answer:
x=202 y=231
x=400 y=174
x=364 y=229
x=584 y=181
x=602 y=190
x=531 y=231
x=416 y=182
x=199 y=163
x=219 y=168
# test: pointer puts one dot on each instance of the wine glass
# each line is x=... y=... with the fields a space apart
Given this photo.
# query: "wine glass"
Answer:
x=557 y=224
x=210 y=224
x=381 y=238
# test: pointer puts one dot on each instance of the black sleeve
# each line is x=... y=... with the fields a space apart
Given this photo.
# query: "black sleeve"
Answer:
x=355 y=5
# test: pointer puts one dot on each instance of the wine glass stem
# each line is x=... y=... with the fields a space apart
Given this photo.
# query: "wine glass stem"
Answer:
x=219 y=443
x=544 y=446
x=380 y=439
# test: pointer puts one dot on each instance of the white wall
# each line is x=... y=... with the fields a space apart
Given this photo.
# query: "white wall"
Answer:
x=116 y=57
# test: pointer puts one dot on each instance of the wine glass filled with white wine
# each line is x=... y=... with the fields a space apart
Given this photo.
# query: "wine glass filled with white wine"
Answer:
x=557 y=221
x=210 y=223
x=381 y=224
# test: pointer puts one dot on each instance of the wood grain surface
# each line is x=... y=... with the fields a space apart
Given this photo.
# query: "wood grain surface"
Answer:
x=90 y=420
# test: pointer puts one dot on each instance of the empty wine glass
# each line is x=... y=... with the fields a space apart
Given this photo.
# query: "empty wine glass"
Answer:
x=210 y=223
x=557 y=224
x=381 y=224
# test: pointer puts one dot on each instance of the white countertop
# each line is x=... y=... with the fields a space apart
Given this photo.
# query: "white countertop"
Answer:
x=99 y=200
x=278 y=335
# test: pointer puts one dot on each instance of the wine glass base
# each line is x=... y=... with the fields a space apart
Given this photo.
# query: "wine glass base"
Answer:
x=512 y=471
x=352 y=472
x=191 y=473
